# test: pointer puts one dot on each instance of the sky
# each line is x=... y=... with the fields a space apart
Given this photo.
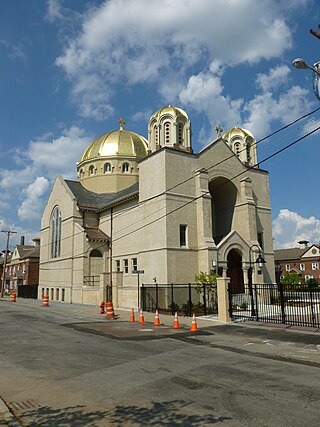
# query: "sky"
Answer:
x=69 y=69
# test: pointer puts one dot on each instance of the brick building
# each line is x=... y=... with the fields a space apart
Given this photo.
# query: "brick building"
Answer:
x=23 y=266
x=303 y=261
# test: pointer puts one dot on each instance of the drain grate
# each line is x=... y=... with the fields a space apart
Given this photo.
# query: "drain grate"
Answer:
x=22 y=406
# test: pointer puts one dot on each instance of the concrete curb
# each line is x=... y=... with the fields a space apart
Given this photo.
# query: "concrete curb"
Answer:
x=7 y=415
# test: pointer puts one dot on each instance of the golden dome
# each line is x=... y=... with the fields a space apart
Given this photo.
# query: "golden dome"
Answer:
x=169 y=110
x=237 y=132
x=120 y=142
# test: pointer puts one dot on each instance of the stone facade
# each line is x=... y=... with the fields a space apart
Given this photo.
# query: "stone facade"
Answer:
x=187 y=212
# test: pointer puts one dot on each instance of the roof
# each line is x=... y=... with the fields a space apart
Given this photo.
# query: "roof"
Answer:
x=89 y=200
x=96 y=235
x=288 y=254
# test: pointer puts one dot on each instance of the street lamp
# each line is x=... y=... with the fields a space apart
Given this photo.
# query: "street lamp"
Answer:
x=260 y=261
x=301 y=64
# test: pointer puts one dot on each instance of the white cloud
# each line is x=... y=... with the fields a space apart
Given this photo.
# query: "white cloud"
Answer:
x=145 y=41
x=289 y=228
x=54 y=11
x=276 y=77
x=32 y=205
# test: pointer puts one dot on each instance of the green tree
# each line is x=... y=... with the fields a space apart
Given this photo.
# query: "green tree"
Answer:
x=210 y=280
x=291 y=279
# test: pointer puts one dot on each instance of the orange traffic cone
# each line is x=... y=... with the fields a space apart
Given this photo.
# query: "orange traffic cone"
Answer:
x=194 y=327
x=141 y=318
x=13 y=297
x=45 y=302
x=156 y=319
x=176 y=322
x=109 y=309
x=132 y=320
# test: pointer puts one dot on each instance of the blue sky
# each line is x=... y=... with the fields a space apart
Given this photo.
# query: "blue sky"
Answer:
x=70 y=69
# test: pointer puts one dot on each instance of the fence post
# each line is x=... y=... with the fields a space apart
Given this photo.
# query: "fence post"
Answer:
x=172 y=300
x=190 y=301
x=223 y=299
x=204 y=300
x=283 y=313
x=157 y=300
x=256 y=302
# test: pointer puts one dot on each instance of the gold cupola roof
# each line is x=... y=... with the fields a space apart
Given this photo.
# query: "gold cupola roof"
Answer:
x=171 y=111
x=237 y=132
x=119 y=143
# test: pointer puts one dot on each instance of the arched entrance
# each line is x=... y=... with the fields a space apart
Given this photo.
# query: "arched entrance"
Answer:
x=95 y=266
x=234 y=271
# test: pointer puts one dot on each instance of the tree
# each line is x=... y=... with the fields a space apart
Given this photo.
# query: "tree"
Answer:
x=291 y=279
x=210 y=280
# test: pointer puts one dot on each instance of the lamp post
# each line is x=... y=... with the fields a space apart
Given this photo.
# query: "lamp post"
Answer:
x=301 y=64
x=260 y=261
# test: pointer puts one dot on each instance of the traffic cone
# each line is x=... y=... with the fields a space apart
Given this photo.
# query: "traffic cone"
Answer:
x=176 y=322
x=13 y=297
x=45 y=302
x=141 y=318
x=156 y=319
x=132 y=320
x=109 y=309
x=194 y=327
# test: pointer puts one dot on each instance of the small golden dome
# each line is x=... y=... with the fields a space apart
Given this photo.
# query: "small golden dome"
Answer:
x=237 y=132
x=120 y=142
x=171 y=111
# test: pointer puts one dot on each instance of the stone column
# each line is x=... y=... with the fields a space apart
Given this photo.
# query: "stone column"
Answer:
x=223 y=299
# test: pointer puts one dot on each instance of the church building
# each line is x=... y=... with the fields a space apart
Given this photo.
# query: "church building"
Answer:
x=156 y=207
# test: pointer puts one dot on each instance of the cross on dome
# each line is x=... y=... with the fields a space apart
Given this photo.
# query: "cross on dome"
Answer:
x=122 y=123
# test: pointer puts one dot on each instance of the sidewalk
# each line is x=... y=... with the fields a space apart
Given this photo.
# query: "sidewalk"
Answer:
x=6 y=417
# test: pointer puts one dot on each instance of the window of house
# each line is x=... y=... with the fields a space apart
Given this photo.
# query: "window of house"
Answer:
x=248 y=152
x=107 y=168
x=134 y=264
x=91 y=170
x=156 y=134
x=55 y=232
x=183 y=235
x=308 y=276
x=57 y=294
x=315 y=266
x=260 y=239
x=63 y=293
x=125 y=167
x=288 y=268
x=302 y=267
x=23 y=268
x=52 y=294
x=117 y=265
x=126 y=266
x=167 y=133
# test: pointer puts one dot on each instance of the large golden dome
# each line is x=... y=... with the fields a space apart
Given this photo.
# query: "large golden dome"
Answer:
x=120 y=143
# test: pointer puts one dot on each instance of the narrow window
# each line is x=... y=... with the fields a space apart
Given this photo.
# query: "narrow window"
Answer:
x=126 y=266
x=237 y=148
x=57 y=294
x=288 y=268
x=260 y=239
x=156 y=135
x=55 y=232
x=315 y=266
x=125 y=167
x=117 y=265
x=183 y=235
x=302 y=267
x=248 y=152
x=180 y=133
x=167 y=133
x=134 y=265
x=52 y=293
x=62 y=294
x=107 y=168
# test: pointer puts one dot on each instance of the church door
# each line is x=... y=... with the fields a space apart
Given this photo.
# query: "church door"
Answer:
x=235 y=272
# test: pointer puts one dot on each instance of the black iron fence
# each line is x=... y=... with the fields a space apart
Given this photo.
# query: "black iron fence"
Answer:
x=297 y=305
x=185 y=299
x=28 y=291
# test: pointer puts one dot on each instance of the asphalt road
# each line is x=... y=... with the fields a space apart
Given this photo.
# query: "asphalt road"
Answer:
x=66 y=366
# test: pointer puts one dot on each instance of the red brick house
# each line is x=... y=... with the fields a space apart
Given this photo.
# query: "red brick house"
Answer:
x=303 y=261
x=23 y=266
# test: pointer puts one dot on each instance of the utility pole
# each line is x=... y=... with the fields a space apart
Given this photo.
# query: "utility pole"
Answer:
x=8 y=233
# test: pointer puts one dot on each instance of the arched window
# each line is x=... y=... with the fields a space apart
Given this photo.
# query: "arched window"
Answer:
x=237 y=148
x=95 y=266
x=107 y=168
x=91 y=170
x=167 y=133
x=125 y=167
x=55 y=232
x=180 y=133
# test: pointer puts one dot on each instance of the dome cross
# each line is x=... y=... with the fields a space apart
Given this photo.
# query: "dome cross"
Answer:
x=122 y=123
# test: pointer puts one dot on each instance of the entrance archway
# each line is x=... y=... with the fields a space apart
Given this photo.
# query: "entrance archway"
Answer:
x=234 y=271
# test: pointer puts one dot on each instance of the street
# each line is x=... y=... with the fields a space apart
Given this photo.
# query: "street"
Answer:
x=66 y=365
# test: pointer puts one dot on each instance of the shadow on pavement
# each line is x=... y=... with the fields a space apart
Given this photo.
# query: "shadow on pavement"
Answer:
x=164 y=414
